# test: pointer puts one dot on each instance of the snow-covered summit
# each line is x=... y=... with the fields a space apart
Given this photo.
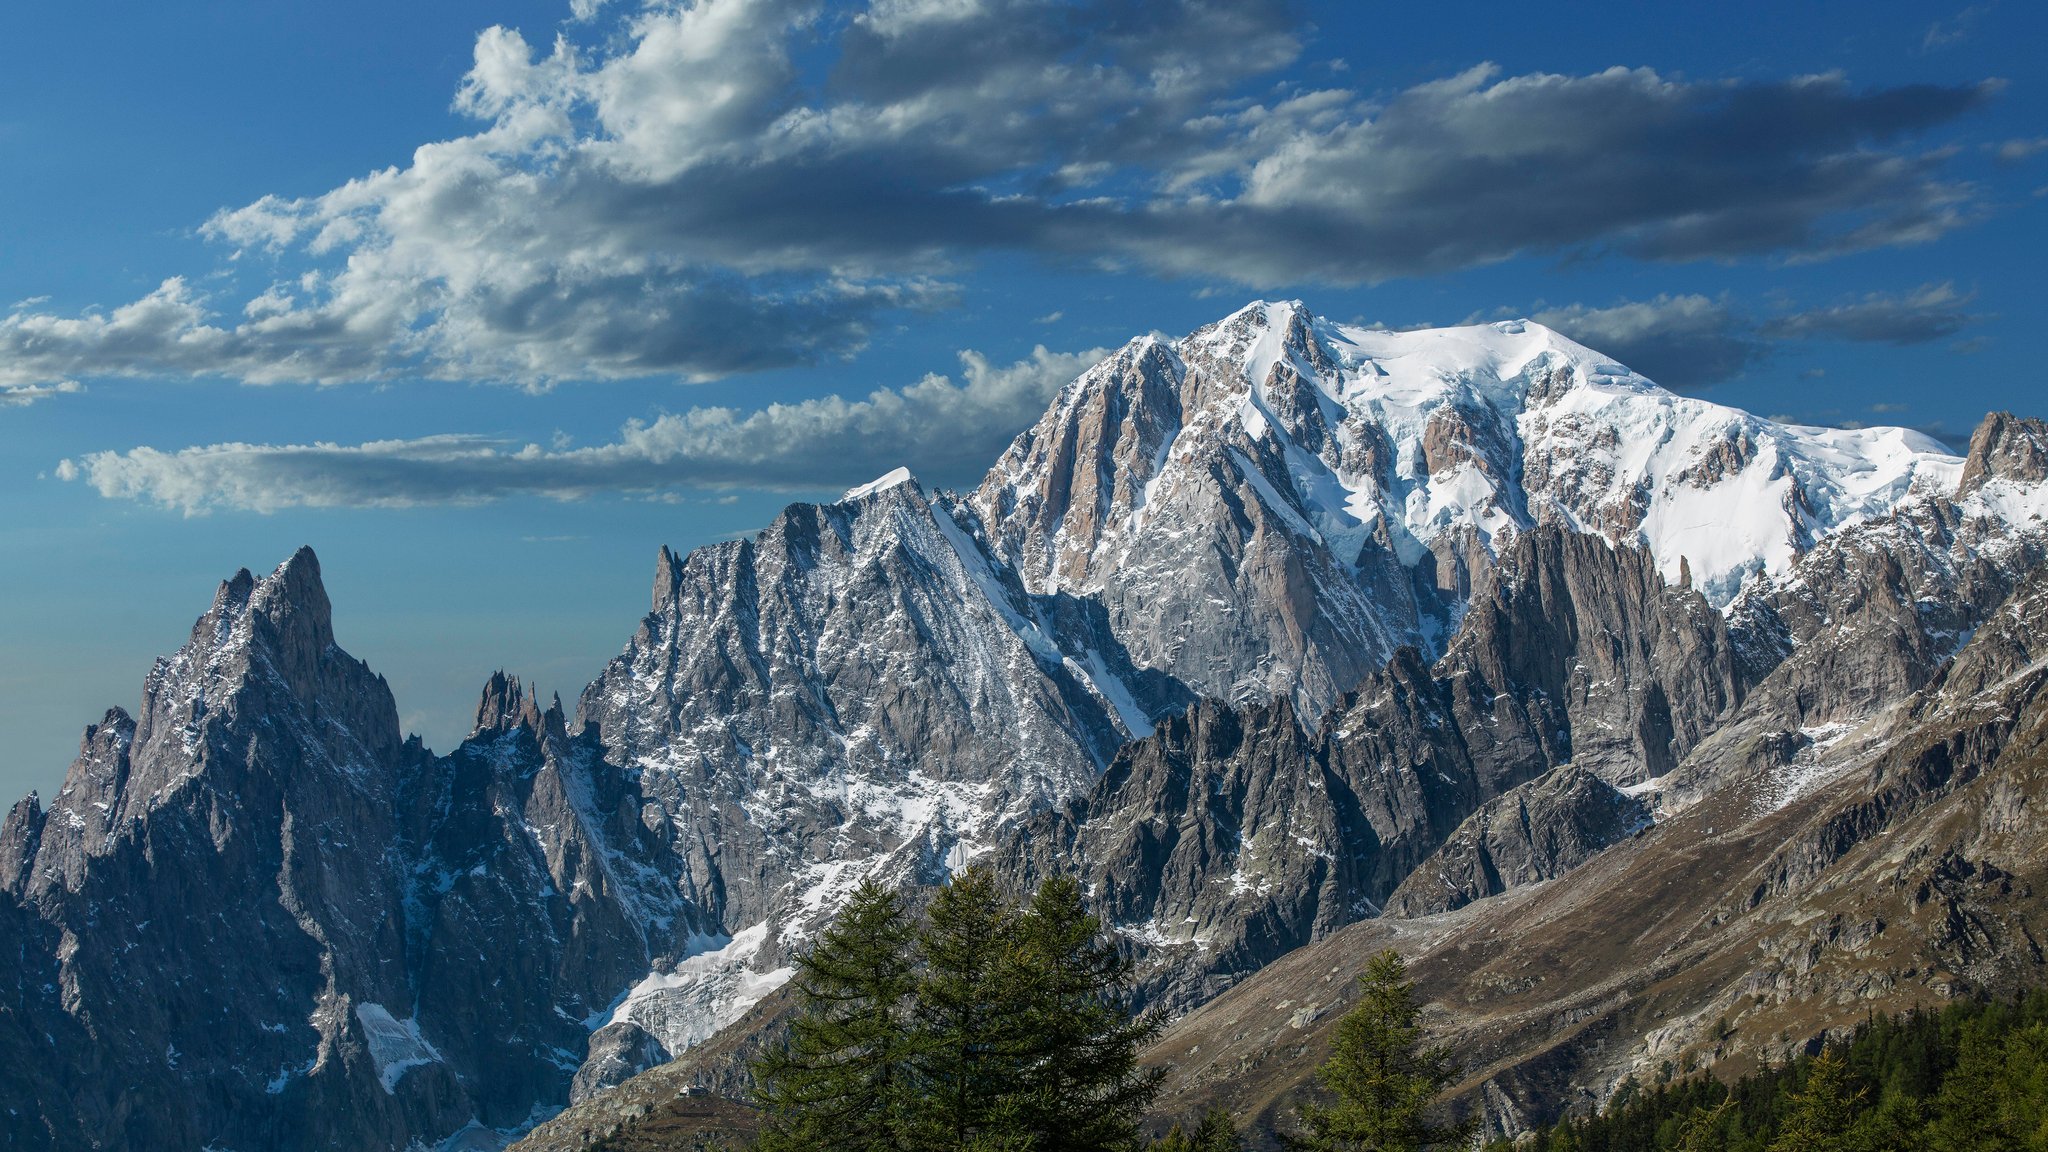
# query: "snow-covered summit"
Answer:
x=1316 y=494
x=1412 y=437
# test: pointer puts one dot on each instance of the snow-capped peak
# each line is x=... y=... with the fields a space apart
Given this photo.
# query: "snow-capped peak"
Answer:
x=1417 y=439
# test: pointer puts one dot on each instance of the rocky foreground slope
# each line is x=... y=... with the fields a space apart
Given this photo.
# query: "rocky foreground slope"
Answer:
x=1286 y=635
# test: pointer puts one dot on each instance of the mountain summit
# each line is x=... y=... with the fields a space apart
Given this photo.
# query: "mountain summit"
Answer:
x=1275 y=502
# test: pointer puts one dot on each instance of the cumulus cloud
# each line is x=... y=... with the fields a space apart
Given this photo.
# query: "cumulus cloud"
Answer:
x=702 y=188
x=1692 y=341
x=946 y=430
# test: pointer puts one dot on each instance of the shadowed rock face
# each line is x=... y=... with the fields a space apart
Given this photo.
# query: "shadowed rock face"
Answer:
x=261 y=751
x=1874 y=612
x=1535 y=832
x=1232 y=836
x=1789 y=896
x=263 y=920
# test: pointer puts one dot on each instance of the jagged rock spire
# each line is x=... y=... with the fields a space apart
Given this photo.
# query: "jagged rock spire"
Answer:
x=506 y=704
x=2006 y=447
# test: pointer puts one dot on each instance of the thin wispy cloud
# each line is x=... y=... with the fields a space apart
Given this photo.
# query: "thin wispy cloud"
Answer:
x=2022 y=149
x=1956 y=29
x=946 y=430
x=17 y=395
x=1693 y=341
x=1932 y=312
x=685 y=190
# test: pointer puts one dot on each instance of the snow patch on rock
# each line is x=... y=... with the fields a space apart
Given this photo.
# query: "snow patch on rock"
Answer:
x=396 y=1046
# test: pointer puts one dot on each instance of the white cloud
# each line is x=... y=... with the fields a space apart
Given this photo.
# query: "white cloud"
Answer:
x=1928 y=313
x=21 y=395
x=946 y=430
x=2025 y=148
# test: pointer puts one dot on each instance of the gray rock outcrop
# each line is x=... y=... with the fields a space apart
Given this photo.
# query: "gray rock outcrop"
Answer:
x=1535 y=832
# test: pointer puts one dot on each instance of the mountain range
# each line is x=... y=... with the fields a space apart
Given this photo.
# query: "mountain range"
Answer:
x=1656 y=732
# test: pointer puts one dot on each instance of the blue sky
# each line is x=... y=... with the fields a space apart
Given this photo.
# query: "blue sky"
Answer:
x=486 y=301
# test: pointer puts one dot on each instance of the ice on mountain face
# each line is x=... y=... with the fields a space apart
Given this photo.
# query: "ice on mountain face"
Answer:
x=1724 y=493
x=689 y=1003
x=396 y=1046
x=2020 y=504
x=1604 y=450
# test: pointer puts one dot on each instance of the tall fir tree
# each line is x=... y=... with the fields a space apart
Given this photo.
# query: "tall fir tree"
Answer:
x=1083 y=1089
x=984 y=1029
x=1824 y=1110
x=1996 y=1099
x=1702 y=1130
x=1382 y=1079
x=971 y=1041
x=840 y=1082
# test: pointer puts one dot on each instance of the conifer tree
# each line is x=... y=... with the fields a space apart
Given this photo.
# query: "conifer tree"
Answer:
x=1216 y=1132
x=839 y=1083
x=1996 y=1099
x=2024 y=1078
x=1823 y=1111
x=1382 y=1078
x=971 y=1039
x=1701 y=1131
x=1083 y=1090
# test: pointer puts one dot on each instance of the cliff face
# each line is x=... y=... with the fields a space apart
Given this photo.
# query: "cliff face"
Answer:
x=266 y=921
x=1534 y=832
x=1231 y=836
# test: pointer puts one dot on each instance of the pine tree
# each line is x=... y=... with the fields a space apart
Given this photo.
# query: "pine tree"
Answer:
x=1996 y=1100
x=1216 y=1132
x=1083 y=1090
x=1383 y=1080
x=2025 y=1081
x=972 y=1041
x=839 y=1083
x=1967 y=1107
x=1823 y=1111
x=1701 y=1131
